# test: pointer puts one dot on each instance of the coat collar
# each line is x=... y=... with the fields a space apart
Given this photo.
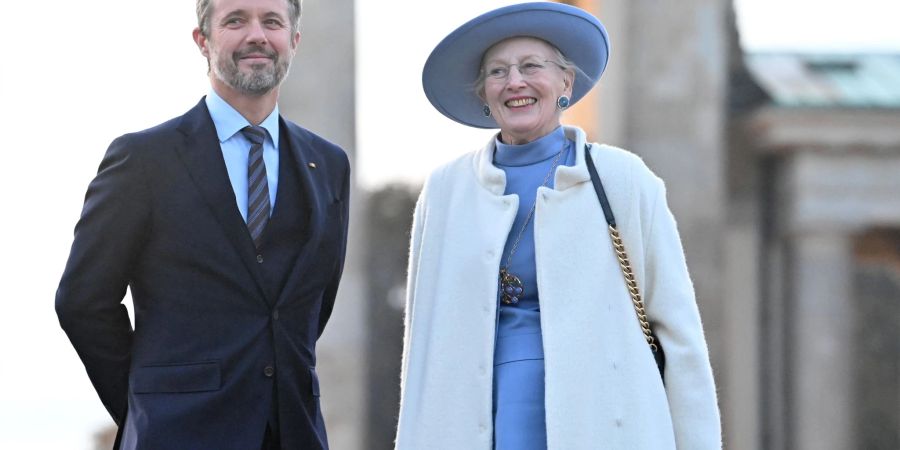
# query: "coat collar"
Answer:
x=494 y=179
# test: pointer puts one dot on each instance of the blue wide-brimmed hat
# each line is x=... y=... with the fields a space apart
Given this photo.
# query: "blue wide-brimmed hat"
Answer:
x=451 y=70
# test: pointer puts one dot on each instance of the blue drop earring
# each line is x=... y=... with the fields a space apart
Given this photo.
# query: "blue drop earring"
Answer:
x=486 y=110
x=562 y=102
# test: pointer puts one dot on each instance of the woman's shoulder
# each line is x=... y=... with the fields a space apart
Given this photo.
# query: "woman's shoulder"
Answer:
x=450 y=173
x=458 y=164
x=612 y=155
x=454 y=169
x=612 y=159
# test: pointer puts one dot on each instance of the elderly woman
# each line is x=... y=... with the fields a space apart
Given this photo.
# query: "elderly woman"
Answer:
x=521 y=331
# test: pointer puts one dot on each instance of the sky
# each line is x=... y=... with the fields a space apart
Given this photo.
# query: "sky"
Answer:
x=819 y=25
x=101 y=70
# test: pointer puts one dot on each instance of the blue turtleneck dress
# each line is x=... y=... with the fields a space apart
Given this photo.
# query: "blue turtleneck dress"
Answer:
x=519 y=420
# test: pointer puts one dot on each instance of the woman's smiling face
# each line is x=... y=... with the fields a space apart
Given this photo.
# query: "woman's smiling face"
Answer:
x=522 y=81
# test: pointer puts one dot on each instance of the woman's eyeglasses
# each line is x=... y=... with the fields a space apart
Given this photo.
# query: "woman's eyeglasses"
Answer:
x=526 y=69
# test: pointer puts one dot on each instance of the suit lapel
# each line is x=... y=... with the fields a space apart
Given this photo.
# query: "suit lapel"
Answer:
x=203 y=158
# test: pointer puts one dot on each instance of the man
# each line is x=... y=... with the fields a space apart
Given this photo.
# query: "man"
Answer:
x=229 y=225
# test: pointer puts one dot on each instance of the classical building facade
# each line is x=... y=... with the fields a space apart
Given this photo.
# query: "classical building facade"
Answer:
x=320 y=94
x=783 y=172
x=816 y=217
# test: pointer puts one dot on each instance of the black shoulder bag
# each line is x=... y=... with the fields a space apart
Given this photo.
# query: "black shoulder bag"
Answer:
x=630 y=281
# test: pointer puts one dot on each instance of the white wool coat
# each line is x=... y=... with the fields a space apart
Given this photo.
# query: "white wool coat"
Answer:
x=603 y=390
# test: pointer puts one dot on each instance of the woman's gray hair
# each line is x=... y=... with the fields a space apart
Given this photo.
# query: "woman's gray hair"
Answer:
x=561 y=60
x=205 y=10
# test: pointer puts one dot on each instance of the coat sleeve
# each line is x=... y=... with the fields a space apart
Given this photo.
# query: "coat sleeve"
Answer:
x=108 y=238
x=418 y=225
x=331 y=290
x=672 y=308
x=412 y=272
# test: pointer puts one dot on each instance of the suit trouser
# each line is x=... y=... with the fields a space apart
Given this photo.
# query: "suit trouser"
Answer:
x=270 y=440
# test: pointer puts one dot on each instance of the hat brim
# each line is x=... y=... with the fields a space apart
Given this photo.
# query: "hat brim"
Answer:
x=451 y=70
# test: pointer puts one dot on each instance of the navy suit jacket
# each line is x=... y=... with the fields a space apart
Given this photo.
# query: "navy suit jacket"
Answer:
x=210 y=338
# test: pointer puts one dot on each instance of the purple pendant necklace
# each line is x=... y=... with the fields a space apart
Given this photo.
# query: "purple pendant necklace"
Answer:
x=511 y=287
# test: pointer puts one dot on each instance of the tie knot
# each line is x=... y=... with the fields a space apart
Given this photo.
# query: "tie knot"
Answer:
x=256 y=135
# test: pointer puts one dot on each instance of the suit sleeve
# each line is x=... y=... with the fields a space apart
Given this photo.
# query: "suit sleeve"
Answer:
x=108 y=239
x=332 y=288
x=672 y=308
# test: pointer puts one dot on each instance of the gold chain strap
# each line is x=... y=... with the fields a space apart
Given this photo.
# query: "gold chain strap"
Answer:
x=631 y=284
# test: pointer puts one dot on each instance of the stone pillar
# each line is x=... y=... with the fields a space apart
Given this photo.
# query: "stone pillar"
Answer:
x=319 y=94
x=820 y=331
x=739 y=385
x=663 y=97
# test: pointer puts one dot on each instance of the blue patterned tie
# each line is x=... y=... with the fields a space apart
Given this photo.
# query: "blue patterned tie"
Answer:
x=258 y=185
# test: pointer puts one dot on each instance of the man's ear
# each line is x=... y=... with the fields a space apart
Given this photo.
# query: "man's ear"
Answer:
x=201 y=42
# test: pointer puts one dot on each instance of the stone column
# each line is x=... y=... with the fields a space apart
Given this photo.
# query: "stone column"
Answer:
x=820 y=331
x=663 y=98
x=319 y=94
x=739 y=378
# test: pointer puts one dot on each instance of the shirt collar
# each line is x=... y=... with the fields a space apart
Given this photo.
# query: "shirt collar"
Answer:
x=229 y=121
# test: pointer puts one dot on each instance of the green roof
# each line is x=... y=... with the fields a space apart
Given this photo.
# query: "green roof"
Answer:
x=823 y=80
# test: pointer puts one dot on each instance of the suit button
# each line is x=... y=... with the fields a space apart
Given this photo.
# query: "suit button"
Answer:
x=275 y=315
x=259 y=259
x=269 y=371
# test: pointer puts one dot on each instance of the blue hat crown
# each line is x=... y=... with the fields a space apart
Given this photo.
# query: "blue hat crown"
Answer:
x=450 y=71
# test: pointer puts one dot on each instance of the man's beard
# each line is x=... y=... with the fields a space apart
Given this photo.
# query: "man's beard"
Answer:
x=262 y=78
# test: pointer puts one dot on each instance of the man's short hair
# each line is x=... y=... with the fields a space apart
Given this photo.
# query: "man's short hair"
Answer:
x=205 y=9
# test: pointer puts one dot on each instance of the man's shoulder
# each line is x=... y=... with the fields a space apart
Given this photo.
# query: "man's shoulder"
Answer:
x=313 y=141
x=157 y=131
x=196 y=117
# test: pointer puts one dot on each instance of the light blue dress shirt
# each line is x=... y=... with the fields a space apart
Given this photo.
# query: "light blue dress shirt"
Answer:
x=236 y=148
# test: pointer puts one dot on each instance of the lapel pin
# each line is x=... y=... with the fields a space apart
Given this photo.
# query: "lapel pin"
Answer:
x=312 y=165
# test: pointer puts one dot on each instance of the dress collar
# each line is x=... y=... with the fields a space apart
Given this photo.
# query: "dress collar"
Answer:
x=493 y=178
x=533 y=152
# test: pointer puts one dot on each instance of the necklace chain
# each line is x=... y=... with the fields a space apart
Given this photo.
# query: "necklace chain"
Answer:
x=533 y=207
x=511 y=286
